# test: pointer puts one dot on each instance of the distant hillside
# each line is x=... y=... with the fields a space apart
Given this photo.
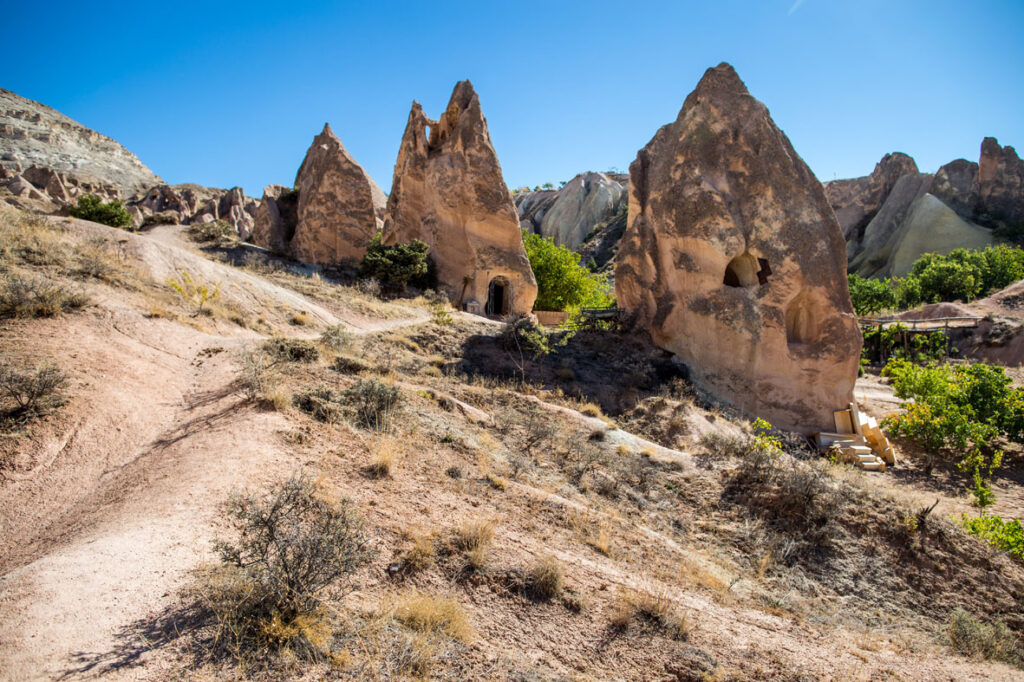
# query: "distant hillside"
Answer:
x=33 y=134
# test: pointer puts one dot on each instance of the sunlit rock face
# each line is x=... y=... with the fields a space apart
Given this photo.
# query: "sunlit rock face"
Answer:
x=734 y=261
x=337 y=215
x=449 y=192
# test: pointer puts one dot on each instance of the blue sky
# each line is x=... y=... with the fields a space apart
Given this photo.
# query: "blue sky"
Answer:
x=223 y=95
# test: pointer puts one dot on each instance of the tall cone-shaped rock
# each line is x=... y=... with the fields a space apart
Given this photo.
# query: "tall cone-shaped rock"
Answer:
x=449 y=192
x=734 y=261
x=337 y=215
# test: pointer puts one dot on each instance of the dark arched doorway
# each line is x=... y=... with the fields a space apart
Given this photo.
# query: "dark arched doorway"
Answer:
x=497 y=297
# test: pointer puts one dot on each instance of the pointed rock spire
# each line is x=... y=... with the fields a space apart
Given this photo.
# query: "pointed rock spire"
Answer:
x=733 y=260
x=449 y=192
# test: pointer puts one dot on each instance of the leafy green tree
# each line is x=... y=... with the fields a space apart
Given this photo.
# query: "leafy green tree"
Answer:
x=958 y=412
x=1004 y=265
x=91 y=207
x=396 y=264
x=562 y=283
x=870 y=296
x=948 y=278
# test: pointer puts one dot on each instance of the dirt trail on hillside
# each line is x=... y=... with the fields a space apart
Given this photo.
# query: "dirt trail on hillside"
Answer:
x=117 y=500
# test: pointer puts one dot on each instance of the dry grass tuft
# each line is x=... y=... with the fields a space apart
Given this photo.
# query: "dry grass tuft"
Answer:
x=420 y=554
x=544 y=579
x=988 y=641
x=432 y=614
x=592 y=410
x=386 y=454
x=473 y=538
x=653 y=608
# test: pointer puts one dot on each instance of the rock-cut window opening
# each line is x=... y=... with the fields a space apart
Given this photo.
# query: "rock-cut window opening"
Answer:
x=746 y=270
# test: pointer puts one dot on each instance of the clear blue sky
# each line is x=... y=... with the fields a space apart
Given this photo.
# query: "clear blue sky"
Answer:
x=226 y=95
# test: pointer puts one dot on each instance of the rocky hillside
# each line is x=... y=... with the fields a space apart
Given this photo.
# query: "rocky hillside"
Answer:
x=33 y=134
x=892 y=216
x=517 y=533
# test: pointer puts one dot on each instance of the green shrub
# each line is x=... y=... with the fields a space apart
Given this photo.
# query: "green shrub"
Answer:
x=993 y=642
x=322 y=402
x=963 y=274
x=292 y=350
x=213 y=231
x=958 y=412
x=894 y=341
x=374 y=403
x=166 y=218
x=29 y=297
x=1005 y=535
x=562 y=283
x=91 y=207
x=870 y=296
x=26 y=393
x=291 y=551
x=396 y=265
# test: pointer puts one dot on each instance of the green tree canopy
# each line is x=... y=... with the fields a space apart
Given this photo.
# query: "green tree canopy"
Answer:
x=395 y=264
x=562 y=283
x=91 y=207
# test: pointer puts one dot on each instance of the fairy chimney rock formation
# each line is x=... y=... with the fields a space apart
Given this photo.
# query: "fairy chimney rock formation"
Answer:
x=734 y=261
x=337 y=216
x=448 y=191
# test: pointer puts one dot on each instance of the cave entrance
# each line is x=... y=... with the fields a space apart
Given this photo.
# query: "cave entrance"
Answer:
x=497 y=297
x=746 y=270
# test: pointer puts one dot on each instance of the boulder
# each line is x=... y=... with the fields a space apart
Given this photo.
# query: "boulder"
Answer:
x=872 y=255
x=1000 y=185
x=571 y=214
x=275 y=219
x=858 y=200
x=232 y=208
x=932 y=227
x=337 y=215
x=22 y=188
x=49 y=182
x=734 y=261
x=956 y=185
x=449 y=192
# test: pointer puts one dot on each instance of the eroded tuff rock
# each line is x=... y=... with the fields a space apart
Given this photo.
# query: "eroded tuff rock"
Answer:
x=33 y=134
x=734 y=261
x=337 y=211
x=276 y=218
x=570 y=214
x=1000 y=185
x=331 y=214
x=189 y=204
x=449 y=192
x=856 y=201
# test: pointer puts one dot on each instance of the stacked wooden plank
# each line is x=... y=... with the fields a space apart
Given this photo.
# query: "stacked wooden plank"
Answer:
x=858 y=439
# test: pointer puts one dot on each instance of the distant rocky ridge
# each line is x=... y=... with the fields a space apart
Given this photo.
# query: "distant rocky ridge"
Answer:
x=897 y=213
x=33 y=134
x=48 y=161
